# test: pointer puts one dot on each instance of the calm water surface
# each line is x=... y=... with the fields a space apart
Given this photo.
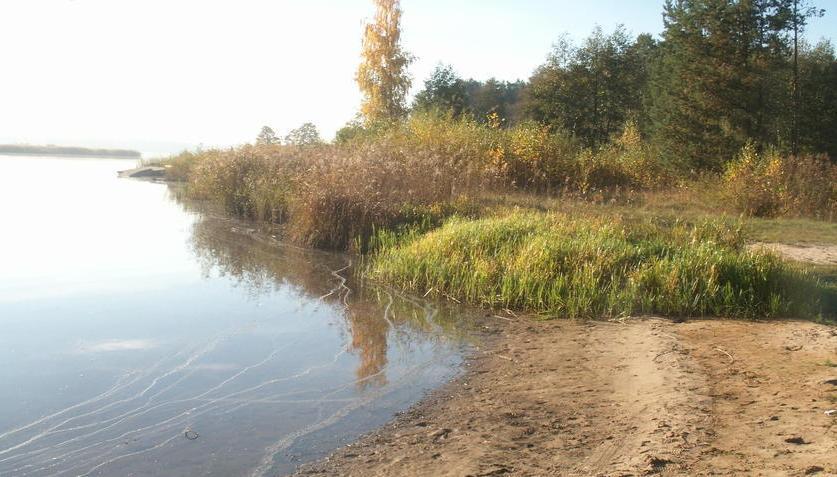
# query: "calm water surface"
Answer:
x=140 y=337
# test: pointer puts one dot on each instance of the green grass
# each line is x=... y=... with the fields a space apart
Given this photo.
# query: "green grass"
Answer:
x=569 y=266
x=696 y=203
x=827 y=276
x=792 y=231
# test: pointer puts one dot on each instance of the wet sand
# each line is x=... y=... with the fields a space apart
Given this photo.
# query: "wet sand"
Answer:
x=645 y=396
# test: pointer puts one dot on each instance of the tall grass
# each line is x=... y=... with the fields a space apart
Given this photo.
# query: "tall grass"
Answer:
x=420 y=171
x=256 y=182
x=593 y=267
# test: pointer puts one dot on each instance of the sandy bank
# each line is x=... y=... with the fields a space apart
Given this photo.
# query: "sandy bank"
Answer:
x=634 y=398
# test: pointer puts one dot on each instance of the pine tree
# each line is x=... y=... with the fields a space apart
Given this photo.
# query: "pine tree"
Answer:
x=695 y=114
x=720 y=80
x=817 y=99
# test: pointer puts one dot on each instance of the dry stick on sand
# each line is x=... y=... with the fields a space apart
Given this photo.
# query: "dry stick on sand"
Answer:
x=443 y=294
x=731 y=359
x=503 y=318
x=663 y=354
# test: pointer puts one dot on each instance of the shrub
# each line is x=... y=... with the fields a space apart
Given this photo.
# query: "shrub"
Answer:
x=770 y=185
x=539 y=159
x=179 y=167
x=626 y=163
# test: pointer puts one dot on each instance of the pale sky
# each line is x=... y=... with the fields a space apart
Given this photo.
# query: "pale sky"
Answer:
x=160 y=75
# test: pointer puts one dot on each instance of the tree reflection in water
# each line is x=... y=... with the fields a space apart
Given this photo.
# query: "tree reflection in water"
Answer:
x=369 y=340
x=372 y=316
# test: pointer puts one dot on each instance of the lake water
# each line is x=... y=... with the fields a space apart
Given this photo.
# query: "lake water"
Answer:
x=141 y=337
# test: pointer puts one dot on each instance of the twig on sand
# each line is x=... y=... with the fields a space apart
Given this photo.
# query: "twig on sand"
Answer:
x=663 y=354
x=450 y=297
x=503 y=318
x=441 y=293
x=494 y=353
x=731 y=359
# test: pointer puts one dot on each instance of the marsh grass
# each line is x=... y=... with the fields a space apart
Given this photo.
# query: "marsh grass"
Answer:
x=562 y=266
x=338 y=196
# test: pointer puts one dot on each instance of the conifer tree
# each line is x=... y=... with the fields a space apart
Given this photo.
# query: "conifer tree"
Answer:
x=721 y=79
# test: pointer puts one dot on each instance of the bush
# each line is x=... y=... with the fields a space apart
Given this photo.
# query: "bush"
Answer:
x=538 y=159
x=770 y=185
x=595 y=267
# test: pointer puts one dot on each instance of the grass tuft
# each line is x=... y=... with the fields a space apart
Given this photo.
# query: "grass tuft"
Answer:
x=600 y=267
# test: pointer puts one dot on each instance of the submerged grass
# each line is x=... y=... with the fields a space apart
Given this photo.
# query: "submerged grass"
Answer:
x=558 y=265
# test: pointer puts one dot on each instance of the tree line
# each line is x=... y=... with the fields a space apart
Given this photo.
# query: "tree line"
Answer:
x=723 y=74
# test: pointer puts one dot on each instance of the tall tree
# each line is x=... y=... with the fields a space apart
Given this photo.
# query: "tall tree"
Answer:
x=267 y=136
x=444 y=91
x=382 y=75
x=817 y=99
x=800 y=11
x=692 y=110
x=590 y=90
x=720 y=80
x=305 y=135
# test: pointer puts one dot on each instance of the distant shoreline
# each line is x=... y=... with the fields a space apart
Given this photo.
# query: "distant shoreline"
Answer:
x=27 y=150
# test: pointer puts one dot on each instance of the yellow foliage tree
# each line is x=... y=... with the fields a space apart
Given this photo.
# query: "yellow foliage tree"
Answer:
x=382 y=75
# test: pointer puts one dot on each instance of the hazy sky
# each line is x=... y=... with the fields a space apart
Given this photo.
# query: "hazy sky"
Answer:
x=184 y=72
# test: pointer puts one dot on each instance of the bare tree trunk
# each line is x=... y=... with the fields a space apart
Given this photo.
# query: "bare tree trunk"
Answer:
x=795 y=134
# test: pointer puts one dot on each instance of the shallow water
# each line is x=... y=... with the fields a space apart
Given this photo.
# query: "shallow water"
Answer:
x=142 y=337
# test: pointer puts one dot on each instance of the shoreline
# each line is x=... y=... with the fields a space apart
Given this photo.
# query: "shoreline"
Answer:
x=68 y=151
x=639 y=397
x=633 y=397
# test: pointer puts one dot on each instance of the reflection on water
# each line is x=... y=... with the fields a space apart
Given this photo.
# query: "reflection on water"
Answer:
x=189 y=344
x=369 y=340
x=373 y=315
